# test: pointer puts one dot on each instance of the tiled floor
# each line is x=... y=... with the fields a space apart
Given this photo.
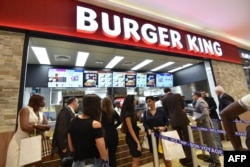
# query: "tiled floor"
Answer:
x=226 y=146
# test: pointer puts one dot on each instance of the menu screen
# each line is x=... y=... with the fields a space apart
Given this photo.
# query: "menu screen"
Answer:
x=141 y=79
x=65 y=78
x=130 y=79
x=150 y=80
x=164 y=80
x=90 y=79
x=104 y=79
x=118 y=79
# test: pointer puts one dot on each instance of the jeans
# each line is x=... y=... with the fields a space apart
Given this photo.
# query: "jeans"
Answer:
x=95 y=162
x=217 y=135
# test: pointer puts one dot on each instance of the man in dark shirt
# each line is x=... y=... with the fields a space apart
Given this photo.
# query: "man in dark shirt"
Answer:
x=214 y=116
x=174 y=106
x=60 y=141
x=224 y=100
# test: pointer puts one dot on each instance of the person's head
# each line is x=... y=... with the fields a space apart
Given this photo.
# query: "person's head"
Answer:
x=107 y=107
x=203 y=94
x=128 y=106
x=73 y=102
x=117 y=103
x=36 y=101
x=92 y=106
x=167 y=90
x=150 y=100
x=219 y=90
x=196 y=95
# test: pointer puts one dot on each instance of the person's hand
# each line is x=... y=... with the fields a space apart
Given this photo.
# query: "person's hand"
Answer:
x=64 y=150
x=42 y=127
x=161 y=128
x=150 y=131
x=139 y=146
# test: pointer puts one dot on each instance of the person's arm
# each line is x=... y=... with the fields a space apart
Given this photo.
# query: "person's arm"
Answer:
x=204 y=112
x=71 y=148
x=228 y=115
x=100 y=143
x=132 y=132
x=62 y=122
x=44 y=126
x=24 y=121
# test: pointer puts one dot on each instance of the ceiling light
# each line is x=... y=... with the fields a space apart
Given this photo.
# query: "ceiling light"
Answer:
x=142 y=64
x=163 y=66
x=41 y=54
x=179 y=68
x=81 y=58
x=114 y=61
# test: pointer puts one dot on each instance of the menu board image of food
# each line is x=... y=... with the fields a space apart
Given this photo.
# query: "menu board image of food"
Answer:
x=104 y=79
x=164 y=80
x=150 y=80
x=130 y=79
x=65 y=77
x=118 y=79
x=141 y=79
x=90 y=79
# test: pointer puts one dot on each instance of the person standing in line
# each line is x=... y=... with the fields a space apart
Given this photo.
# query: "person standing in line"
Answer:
x=110 y=121
x=155 y=120
x=214 y=116
x=117 y=105
x=203 y=120
x=129 y=121
x=228 y=115
x=86 y=136
x=59 y=141
x=174 y=106
x=224 y=100
x=30 y=118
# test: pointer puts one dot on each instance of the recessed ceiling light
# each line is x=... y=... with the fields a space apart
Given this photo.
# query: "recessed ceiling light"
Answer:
x=179 y=68
x=142 y=64
x=163 y=66
x=114 y=61
x=81 y=58
x=41 y=54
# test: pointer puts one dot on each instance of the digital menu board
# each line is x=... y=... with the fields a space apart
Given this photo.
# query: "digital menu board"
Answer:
x=164 y=80
x=118 y=79
x=130 y=79
x=141 y=79
x=90 y=79
x=65 y=77
x=104 y=79
x=150 y=80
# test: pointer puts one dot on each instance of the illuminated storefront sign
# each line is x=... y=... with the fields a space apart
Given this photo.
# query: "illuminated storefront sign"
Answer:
x=84 y=21
x=113 y=26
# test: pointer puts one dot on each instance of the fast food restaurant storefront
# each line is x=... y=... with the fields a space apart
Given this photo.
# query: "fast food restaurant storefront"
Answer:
x=73 y=21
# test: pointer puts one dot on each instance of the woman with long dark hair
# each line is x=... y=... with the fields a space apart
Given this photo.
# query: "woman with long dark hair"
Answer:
x=110 y=121
x=85 y=137
x=129 y=119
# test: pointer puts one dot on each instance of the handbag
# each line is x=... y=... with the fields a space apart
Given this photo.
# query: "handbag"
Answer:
x=160 y=147
x=30 y=149
x=46 y=147
x=145 y=142
x=172 y=150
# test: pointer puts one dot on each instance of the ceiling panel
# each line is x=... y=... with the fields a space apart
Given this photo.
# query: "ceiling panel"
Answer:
x=68 y=50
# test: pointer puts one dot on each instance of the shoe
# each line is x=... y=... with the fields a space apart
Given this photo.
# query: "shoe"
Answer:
x=214 y=165
x=210 y=160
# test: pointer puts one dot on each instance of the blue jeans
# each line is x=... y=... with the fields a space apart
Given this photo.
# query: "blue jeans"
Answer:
x=217 y=135
x=95 y=162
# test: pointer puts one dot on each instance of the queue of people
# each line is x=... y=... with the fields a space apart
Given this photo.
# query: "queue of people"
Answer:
x=91 y=137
